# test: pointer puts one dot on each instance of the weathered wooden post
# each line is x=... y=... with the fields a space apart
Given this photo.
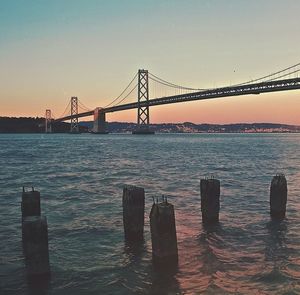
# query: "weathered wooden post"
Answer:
x=35 y=245
x=30 y=205
x=163 y=234
x=34 y=235
x=210 y=200
x=133 y=212
x=278 y=196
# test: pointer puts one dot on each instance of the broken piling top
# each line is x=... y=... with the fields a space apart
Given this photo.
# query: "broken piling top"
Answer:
x=133 y=195
x=133 y=202
x=35 y=245
x=210 y=199
x=30 y=205
x=163 y=233
x=278 y=196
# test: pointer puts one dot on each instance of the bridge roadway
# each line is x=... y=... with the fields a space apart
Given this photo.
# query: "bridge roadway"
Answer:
x=256 y=88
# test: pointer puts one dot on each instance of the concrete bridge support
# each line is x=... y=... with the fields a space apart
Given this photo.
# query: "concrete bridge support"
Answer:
x=48 y=127
x=143 y=104
x=163 y=235
x=210 y=200
x=99 y=122
x=133 y=212
x=278 y=197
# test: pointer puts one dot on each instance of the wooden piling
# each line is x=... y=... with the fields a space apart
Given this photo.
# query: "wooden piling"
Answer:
x=278 y=196
x=163 y=234
x=133 y=212
x=30 y=205
x=35 y=245
x=210 y=200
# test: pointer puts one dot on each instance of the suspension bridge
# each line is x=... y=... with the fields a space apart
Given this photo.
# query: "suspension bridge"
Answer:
x=164 y=92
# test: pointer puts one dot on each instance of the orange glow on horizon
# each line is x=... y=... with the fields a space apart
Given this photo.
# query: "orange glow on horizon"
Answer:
x=278 y=107
x=270 y=107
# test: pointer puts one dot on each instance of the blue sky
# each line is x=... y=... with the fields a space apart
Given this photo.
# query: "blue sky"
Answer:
x=51 y=50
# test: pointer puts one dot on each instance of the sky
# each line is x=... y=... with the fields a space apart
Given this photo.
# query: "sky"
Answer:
x=52 y=50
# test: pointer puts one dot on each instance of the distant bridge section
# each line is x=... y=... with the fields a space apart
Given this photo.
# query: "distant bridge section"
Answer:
x=280 y=85
x=275 y=82
x=257 y=88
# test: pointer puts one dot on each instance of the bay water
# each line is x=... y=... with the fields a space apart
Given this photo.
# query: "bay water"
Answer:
x=81 y=177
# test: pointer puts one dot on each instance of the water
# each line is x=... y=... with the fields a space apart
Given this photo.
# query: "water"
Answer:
x=81 y=178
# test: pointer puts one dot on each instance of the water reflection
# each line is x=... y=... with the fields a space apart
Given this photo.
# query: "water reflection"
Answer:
x=38 y=285
x=134 y=250
x=210 y=228
x=276 y=249
x=165 y=265
x=159 y=279
x=235 y=256
x=210 y=243
x=164 y=281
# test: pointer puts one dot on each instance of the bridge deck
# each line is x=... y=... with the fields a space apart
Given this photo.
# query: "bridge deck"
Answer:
x=257 y=88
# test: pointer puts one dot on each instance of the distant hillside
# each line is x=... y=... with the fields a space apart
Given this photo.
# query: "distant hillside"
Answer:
x=187 y=127
x=36 y=125
x=31 y=125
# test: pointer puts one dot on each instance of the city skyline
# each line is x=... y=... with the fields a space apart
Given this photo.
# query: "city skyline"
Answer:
x=50 y=52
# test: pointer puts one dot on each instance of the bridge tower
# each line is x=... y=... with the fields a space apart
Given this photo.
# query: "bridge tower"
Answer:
x=74 y=112
x=99 y=121
x=48 y=127
x=143 y=104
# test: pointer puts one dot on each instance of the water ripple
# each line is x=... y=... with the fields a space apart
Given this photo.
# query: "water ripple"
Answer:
x=81 y=179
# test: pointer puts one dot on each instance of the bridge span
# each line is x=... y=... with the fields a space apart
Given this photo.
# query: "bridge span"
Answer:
x=269 y=83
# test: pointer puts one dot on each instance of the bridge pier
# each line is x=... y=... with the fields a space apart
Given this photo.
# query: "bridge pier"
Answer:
x=143 y=131
x=143 y=104
x=99 y=122
x=48 y=127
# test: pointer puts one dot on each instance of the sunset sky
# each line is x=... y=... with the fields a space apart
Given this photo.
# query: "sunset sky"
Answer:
x=52 y=50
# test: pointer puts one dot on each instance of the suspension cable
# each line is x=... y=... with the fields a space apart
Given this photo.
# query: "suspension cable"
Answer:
x=122 y=92
x=65 y=110
x=172 y=85
x=184 y=88
x=282 y=76
x=166 y=83
x=127 y=95
x=169 y=84
x=270 y=75
x=83 y=106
